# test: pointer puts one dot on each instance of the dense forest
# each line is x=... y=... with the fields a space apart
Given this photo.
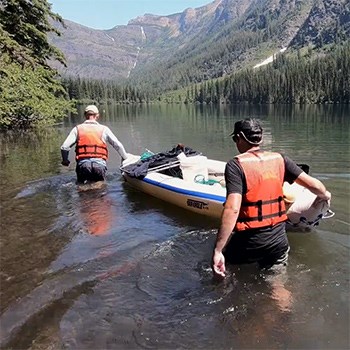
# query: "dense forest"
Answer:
x=104 y=91
x=311 y=77
x=290 y=79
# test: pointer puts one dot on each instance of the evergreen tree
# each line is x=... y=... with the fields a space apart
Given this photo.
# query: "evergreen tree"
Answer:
x=30 y=93
x=27 y=23
x=295 y=79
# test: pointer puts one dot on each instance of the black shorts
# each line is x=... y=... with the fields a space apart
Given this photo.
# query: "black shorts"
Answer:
x=267 y=247
x=90 y=171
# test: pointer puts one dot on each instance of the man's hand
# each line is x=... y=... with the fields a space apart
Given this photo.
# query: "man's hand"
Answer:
x=65 y=162
x=326 y=197
x=218 y=264
x=131 y=159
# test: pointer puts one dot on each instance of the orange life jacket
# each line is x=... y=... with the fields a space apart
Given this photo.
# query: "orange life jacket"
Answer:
x=263 y=204
x=90 y=143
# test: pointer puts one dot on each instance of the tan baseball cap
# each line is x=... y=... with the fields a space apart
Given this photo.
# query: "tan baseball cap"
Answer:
x=91 y=109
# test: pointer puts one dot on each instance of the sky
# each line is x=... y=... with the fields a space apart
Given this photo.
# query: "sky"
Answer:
x=106 y=14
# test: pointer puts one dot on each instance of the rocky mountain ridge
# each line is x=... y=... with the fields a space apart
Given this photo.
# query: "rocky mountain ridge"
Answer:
x=215 y=40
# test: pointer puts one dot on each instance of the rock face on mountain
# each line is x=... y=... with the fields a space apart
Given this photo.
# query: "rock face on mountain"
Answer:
x=105 y=54
x=327 y=22
x=207 y=42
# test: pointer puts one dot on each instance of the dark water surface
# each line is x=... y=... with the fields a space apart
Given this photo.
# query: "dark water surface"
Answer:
x=111 y=268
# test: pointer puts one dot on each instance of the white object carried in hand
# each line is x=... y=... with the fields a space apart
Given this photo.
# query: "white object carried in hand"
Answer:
x=304 y=209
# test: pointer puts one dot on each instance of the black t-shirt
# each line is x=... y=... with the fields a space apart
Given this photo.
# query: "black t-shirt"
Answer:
x=263 y=244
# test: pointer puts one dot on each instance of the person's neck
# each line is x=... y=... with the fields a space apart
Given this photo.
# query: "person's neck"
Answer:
x=254 y=149
x=251 y=149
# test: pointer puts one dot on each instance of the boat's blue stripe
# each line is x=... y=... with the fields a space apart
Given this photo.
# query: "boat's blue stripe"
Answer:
x=186 y=192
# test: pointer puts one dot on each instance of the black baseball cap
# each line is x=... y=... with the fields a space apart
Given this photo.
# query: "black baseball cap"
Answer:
x=250 y=128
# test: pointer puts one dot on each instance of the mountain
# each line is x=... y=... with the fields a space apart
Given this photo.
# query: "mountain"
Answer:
x=98 y=54
x=215 y=40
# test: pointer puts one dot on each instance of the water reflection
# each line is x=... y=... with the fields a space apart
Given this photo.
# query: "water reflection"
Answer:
x=113 y=268
x=96 y=209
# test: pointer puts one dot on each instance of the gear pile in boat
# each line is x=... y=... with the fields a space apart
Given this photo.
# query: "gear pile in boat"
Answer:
x=163 y=162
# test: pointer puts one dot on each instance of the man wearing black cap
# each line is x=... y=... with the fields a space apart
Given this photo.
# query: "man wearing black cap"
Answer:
x=90 y=139
x=253 y=220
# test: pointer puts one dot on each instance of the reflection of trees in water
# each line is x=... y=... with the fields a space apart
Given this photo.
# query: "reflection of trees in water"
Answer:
x=28 y=155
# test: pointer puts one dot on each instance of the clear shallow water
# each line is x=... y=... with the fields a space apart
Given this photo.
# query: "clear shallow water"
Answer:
x=112 y=268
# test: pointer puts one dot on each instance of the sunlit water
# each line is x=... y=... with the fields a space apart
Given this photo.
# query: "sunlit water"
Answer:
x=111 y=268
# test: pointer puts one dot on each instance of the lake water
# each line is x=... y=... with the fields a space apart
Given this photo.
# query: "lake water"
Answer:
x=112 y=268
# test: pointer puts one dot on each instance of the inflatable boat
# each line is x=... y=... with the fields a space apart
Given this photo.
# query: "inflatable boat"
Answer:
x=191 y=181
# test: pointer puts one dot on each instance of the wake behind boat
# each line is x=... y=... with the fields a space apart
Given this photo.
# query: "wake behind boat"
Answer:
x=188 y=179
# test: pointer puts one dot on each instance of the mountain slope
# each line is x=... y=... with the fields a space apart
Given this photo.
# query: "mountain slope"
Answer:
x=98 y=54
x=261 y=28
x=215 y=40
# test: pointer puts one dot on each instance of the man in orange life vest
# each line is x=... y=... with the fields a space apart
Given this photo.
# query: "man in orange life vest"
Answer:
x=91 y=150
x=253 y=219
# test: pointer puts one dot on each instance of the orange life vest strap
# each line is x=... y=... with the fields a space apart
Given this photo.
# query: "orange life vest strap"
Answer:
x=91 y=149
x=259 y=204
